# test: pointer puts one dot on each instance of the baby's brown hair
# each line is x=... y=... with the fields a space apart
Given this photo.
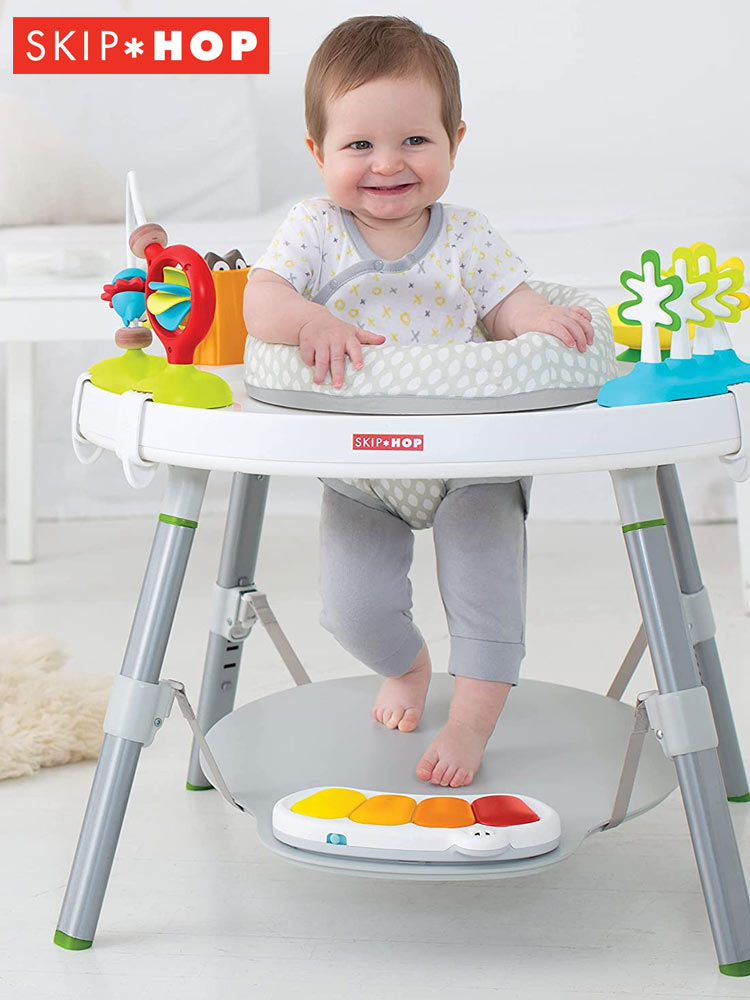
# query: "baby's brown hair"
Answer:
x=369 y=48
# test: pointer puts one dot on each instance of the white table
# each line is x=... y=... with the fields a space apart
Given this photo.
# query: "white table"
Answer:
x=52 y=309
x=637 y=445
x=30 y=315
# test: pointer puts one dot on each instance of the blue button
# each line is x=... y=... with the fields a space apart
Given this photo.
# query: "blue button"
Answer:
x=378 y=265
x=335 y=838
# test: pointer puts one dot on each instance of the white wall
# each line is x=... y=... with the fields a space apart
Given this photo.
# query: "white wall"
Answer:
x=577 y=110
x=594 y=130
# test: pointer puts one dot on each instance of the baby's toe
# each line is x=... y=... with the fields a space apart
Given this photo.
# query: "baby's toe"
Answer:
x=449 y=774
x=426 y=765
x=392 y=717
x=461 y=777
x=438 y=772
x=410 y=720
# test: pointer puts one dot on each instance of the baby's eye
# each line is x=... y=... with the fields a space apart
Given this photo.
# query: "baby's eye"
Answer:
x=359 y=144
x=415 y=140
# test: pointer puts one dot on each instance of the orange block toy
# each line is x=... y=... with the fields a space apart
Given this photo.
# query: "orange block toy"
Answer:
x=225 y=341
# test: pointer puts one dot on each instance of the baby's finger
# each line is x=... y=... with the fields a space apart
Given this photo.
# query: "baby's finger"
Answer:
x=338 y=365
x=575 y=329
x=322 y=363
x=583 y=318
x=556 y=329
x=368 y=337
x=354 y=350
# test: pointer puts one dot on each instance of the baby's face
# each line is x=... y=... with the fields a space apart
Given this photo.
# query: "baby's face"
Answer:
x=386 y=155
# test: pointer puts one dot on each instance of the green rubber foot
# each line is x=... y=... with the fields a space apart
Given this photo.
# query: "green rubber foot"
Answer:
x=735 y=969
x=633 y=354
x=71 y=943
x=184 y=385
x=198 y=788
x=739 y=798
x=131 y=370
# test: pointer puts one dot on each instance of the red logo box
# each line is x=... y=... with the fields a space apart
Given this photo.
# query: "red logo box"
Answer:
x=388 y=442
x=142 y=45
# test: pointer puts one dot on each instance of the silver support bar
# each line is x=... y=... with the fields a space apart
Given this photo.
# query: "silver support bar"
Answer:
x=675 y=667
x=144 y=655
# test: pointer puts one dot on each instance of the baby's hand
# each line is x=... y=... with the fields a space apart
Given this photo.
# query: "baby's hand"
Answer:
x=570 y=325
x=325 y=342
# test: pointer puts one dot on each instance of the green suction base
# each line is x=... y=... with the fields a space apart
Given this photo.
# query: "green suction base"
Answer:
x=184 y=385
x=131 y=370
x=198 y=788
x=71 y=943
x=739 y=798
x=735 y=969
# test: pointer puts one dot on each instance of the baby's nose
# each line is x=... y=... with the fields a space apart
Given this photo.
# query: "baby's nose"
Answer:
x=387 y=163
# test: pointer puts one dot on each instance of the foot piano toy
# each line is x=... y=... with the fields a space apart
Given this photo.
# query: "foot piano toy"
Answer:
x=366 y=824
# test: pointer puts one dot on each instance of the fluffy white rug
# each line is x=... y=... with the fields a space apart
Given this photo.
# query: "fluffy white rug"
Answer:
x=46 y=717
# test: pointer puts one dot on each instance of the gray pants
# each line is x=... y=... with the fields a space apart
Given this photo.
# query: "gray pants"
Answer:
x=480 y=545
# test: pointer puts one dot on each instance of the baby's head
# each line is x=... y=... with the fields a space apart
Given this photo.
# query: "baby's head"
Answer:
x=383 y=112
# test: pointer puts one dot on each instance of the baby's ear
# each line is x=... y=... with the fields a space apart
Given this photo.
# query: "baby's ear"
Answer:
x=314 y=149
x=460 y=133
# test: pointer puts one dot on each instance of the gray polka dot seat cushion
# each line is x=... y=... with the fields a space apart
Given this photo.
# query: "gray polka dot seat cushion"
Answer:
x=534 y=371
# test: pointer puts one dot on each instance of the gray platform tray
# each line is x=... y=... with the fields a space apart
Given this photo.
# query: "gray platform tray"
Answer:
x=558 y=744
x=408 y=405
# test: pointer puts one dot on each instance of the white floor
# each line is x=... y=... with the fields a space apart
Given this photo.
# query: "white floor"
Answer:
x=197 y=909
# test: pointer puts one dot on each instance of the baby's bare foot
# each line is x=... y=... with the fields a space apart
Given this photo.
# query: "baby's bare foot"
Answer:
x=400 y=701
x=454 y=756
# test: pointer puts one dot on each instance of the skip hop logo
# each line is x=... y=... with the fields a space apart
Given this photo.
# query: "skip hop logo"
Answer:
x=388 y=442
x=140 y=45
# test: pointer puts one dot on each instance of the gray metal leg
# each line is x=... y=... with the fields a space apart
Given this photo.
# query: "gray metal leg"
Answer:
x=239 y=554
x=675 y=667
x=143 y=658
x=706 y=651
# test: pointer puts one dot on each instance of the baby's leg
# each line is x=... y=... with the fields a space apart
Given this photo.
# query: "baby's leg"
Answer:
x=480 y=543
x=365 y=556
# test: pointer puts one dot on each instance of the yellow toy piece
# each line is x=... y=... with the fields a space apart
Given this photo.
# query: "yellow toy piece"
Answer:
x=743 y=300
x=685 y=265
x=729 y=280
x=329 y=803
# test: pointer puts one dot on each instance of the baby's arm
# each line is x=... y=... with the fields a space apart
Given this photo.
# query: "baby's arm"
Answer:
x=524 y=310
x=274 y=311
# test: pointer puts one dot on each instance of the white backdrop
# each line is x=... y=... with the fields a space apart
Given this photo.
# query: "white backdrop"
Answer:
x=594 y=130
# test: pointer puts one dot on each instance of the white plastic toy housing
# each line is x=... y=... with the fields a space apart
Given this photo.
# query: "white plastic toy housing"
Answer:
x=409 y=842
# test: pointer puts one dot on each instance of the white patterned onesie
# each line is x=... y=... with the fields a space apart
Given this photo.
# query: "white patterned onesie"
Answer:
x=436 y=294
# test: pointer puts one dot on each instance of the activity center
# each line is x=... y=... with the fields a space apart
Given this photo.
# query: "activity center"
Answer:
x=528 y=406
